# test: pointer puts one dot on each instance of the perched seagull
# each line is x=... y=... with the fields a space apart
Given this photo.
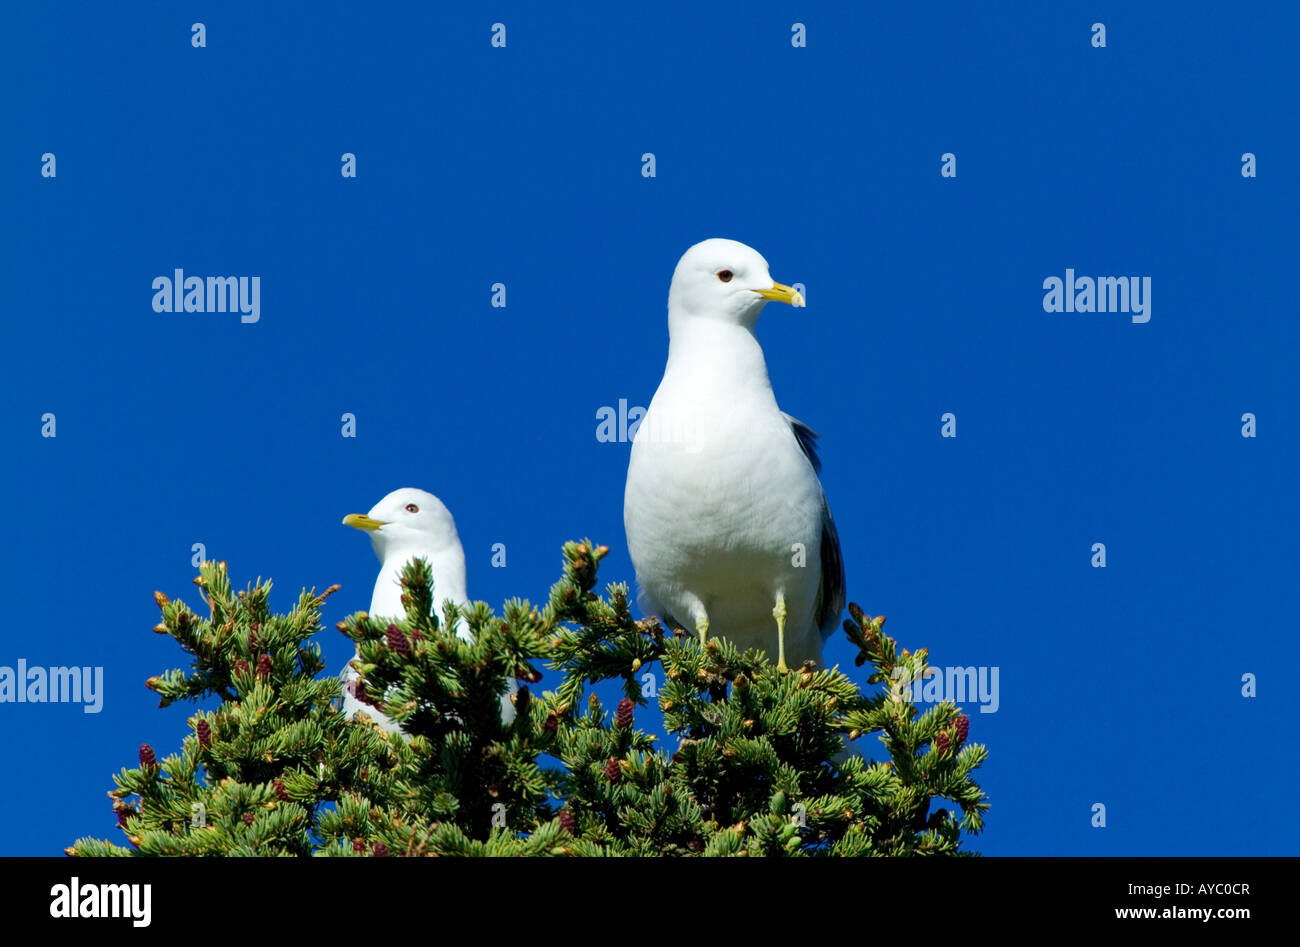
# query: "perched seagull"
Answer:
x=727 y=524
x=409 y=524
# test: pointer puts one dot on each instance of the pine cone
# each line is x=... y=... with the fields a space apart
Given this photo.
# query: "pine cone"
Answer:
x=568 y=822
x=942 y=741
x=552 y=723
x=381 y=850
x=147 y=758
x=359 y=845
x=248 y=818
x=398 y=641
x=263 y=665
x=204 y=731
x=280 y=792
x=623 y=717
x=612 y=770
x=963 y=728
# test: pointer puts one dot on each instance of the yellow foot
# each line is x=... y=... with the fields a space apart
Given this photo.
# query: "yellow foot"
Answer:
x=779 y=613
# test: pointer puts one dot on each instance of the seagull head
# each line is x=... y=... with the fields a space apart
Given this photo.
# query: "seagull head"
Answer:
x=409 y=520
x=725 y=280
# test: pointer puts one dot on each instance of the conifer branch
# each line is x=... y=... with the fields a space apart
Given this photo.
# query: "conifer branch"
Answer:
x=760 y=765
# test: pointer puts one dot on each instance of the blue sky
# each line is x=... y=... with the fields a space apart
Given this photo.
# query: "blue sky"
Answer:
x=522 y=165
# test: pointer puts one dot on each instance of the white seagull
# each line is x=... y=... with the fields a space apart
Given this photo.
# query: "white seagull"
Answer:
x=409 y=524
x=727 y=524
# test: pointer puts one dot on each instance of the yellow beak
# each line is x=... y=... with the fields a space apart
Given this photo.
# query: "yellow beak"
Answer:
x=361 y=521
x=782 y=294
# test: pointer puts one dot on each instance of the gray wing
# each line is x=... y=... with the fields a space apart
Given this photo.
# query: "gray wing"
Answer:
x=831 y=602
x=807 y=439
x=830 y=598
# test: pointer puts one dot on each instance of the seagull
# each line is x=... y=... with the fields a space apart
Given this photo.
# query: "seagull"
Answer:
x=409 y=524
x=727 y=524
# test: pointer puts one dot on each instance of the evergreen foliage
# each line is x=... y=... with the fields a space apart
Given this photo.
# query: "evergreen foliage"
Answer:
x=761 y=767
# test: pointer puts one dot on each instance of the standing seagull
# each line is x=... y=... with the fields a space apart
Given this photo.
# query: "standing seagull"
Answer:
x=727 y=524
x=406 y=524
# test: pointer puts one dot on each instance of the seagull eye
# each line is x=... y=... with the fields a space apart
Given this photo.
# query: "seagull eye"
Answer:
x=725 y=276
x=412 y=508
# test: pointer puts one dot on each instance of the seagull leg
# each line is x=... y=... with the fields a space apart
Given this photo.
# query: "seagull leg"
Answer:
x=700 y=616
x=779 y=614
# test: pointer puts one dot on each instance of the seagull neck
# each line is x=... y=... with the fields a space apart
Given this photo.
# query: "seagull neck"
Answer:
x=724 y=350
x=447 y=566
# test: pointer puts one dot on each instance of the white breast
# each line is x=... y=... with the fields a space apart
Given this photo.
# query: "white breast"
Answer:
x=721 y=504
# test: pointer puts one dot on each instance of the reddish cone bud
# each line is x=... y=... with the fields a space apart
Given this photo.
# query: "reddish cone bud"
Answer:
x=204 y=731
x=623 y=718
x=264 y=665
x=612 y=770
x=146 y=755
x=280 y=792
x=942 y=741
x=963 y=728
x=552 y=723
x=241 y=666
x=360 y=693
x=252 y=641
x=568 y=822
x=397 y=641
x=359 y=845
x=380 y=850
x=248 y=818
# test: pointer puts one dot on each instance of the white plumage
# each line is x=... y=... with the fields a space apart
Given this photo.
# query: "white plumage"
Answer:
x=727 y=524
x=409 y=524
